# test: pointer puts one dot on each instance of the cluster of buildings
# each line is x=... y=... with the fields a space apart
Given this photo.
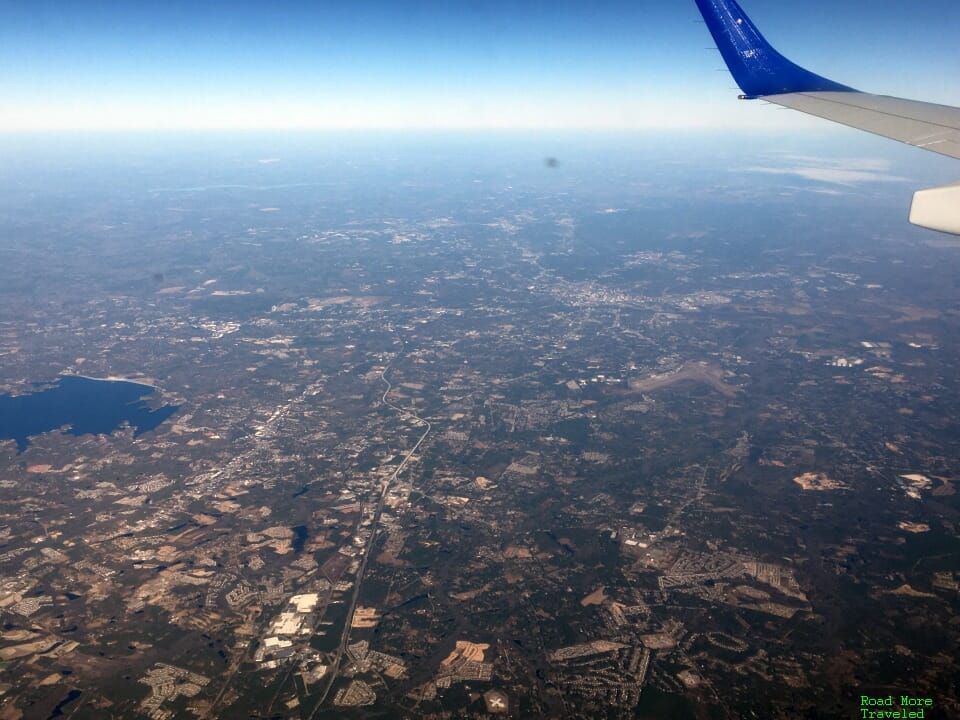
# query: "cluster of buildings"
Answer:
x=167 y=683
x=286 y=633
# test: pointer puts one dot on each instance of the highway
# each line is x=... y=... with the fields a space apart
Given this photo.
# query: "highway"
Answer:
x=334 y=668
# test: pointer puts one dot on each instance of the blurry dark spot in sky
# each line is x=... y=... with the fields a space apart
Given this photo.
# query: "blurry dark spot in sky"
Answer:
x=551 y=162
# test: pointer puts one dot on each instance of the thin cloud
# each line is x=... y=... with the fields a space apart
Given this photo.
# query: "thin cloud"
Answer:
x=834 y=171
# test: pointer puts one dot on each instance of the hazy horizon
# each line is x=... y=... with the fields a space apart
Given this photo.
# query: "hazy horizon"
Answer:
x=425 y=65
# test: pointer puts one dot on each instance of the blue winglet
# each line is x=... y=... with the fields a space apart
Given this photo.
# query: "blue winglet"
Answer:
x=758 y=68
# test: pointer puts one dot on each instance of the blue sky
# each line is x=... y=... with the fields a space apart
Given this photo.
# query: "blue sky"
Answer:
x=110 y=64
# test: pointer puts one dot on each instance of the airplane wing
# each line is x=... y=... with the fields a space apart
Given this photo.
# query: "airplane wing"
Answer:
x=762 y=72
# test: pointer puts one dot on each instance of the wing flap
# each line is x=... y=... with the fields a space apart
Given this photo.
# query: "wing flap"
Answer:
x=924 y=125
x=936 y=208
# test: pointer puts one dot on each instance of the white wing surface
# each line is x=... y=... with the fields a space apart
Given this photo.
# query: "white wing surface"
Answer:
x=923 y=125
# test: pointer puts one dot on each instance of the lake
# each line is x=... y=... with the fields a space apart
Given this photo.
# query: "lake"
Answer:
x=80 y=406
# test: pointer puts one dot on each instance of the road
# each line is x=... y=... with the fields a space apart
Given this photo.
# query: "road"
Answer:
x=371 y=541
